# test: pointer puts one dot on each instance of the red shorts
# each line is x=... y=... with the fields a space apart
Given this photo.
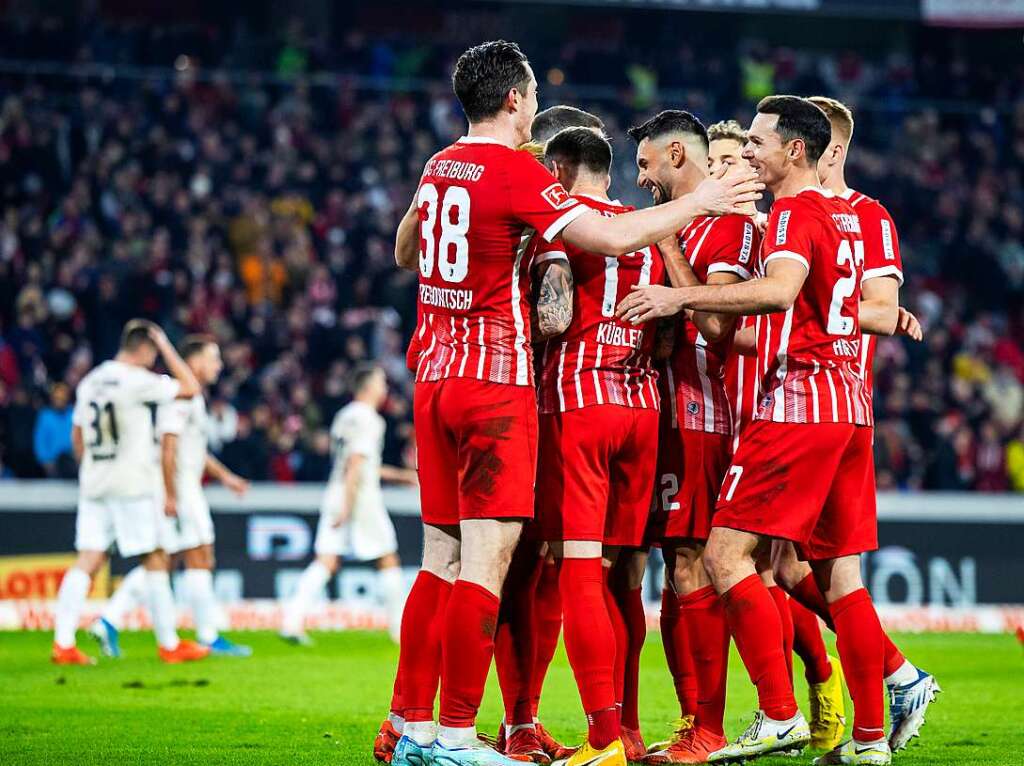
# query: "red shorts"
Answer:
x=691 y=465
x=476 y=444
x=810 y=483
x=595 y=473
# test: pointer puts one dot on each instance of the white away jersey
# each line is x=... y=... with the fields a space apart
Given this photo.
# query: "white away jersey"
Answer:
x=358 y=429
x=116 y=407
x=186 y=419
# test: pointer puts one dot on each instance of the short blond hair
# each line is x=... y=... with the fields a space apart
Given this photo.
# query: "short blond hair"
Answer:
x=838 y=114
x=727 y=130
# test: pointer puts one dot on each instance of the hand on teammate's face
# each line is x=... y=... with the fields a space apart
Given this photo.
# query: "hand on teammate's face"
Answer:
x=720 y=195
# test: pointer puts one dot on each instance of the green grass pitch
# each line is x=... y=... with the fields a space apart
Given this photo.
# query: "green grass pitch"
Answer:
x=289 y=705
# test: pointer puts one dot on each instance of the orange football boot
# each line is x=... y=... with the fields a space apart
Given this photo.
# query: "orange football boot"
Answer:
x=70 y=655
x=186 y=651
x=384 y=744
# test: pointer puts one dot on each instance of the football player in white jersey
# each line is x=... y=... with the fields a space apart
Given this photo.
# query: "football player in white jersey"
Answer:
x=353 y=520
x=184 y=460
x=113 y=435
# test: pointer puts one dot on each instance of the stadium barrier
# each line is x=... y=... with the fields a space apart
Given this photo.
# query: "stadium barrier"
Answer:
x=947 y=561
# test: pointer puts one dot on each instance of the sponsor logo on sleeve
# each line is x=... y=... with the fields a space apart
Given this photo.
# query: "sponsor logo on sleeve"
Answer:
x=557 y=196
x=890 y=255
x=748 y=241
x=782 y=227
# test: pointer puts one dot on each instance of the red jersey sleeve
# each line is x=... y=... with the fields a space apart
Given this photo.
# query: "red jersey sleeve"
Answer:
x=789 y=234
x=881 y=244
x=538 y=200
x=544 y=251
x=732 y=245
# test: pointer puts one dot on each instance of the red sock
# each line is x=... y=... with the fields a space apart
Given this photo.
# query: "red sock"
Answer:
x=808 y=645
x=631 y=604
x=675 y=639
x=859 y=639
x=419 y=655
x=467 y=648
x=755 y=625
x=590 y=644
x=893 y=657
x=548 y=622
x=782 y=604
x=621 y=639
x=808 y=594
x=515 y=640
x=709 y=644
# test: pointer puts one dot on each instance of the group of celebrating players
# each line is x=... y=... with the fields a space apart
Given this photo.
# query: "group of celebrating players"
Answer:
x=737 y=395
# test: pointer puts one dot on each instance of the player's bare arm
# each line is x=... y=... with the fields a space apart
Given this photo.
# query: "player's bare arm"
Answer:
x=629 y=232
x=353 y=478
x=179 y=370
x=554 y=298
x=169 y=470
x=407 y=240
x=712 y=326
x=744 y=342
x=776 y=291
x=226 y=476
x=398 y=475
x=77 y=443
x=878 y=310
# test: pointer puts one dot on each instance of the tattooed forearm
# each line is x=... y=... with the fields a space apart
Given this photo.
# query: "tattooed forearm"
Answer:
x=554 y=300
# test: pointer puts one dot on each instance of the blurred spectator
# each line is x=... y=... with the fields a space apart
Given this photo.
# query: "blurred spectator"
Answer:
x=52 y=438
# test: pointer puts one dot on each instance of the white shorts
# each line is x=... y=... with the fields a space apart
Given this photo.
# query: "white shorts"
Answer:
x=366 y=536
x=193 y=526
x=135 y=524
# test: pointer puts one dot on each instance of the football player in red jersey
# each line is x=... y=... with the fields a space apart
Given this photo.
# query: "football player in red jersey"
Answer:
x=475 y=407
x=598 y=405
x=530 y=617
x=910 y=689
x=695 y=445
x=802 y=466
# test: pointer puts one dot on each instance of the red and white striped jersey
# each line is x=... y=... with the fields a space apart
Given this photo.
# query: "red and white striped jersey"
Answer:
x=881 y=259
x=742 y=386
x=477 y=200
x=810 y=354
x=697 y=366
x=600 y=359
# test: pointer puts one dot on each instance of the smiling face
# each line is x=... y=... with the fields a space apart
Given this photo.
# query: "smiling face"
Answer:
x=765 y=150
x=654 y=169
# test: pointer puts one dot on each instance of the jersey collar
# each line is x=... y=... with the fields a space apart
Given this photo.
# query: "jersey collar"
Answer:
x=819 y=189
x=479 y=140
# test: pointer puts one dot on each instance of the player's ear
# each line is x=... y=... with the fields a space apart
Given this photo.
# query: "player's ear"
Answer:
x=677 y=154
x=796 y=149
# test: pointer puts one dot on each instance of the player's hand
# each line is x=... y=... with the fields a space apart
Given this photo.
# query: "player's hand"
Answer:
x=237 y=484
x=340 y=518
x=908 y=325
x=650 y=302
x=159 y=338
x=718 y=195
x=761 y=222
x=170 y=507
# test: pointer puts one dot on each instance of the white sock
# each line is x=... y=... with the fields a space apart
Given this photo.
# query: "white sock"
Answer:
x=456 y=736
x=311 y=584
x=392 y=591
x=397 y=721
x=161 y=609
x=423 y=733
x=199 y=594
x=70 y=600
x=129 y=594
x=905 y=674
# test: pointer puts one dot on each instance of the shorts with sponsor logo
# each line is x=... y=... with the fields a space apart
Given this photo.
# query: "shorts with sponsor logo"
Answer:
x=136 y=524
x=595 y=472
x=812 y=483
x=476 y=443
x=193 y=526
x=691 y=465
x=368 y=534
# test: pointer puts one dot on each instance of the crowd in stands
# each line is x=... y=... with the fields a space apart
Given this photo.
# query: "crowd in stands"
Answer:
x=262 y=210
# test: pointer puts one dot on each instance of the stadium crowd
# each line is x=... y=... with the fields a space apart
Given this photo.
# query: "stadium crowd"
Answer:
x=263 y=210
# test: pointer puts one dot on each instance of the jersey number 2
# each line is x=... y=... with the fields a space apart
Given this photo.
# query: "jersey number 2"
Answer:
x=452 y=250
